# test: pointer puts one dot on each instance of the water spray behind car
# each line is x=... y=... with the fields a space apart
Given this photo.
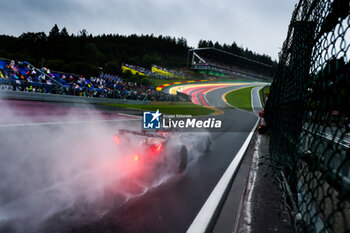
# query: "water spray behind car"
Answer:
x=73 y=171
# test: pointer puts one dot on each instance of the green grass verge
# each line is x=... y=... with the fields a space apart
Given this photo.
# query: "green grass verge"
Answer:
x=266 y=90
x=263 y=94
x=241 y=98
x=184 y=109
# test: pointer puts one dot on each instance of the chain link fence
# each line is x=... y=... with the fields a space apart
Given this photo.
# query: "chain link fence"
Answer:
x=308 y=116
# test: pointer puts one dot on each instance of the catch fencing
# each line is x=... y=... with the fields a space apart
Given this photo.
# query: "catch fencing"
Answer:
x=308 y=117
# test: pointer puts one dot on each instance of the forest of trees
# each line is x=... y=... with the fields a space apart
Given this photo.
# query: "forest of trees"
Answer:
x=88 y=54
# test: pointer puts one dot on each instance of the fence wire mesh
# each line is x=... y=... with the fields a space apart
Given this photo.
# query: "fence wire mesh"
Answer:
x=308 y=116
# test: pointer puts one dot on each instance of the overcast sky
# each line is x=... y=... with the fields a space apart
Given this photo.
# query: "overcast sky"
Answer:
x=260 y=25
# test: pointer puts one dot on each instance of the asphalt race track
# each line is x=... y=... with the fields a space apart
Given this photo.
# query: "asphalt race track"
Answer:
x=169 y=206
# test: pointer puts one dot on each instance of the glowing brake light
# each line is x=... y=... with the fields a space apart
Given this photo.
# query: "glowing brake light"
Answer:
x=157 y=148
x=116 y=139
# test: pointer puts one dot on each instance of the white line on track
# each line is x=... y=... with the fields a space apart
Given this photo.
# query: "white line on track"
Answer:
x=205 y=98
x=251 y=185
x=62 y=123
x=129 y=115
x=256 y=106
x=201 y=223
x=205 y=215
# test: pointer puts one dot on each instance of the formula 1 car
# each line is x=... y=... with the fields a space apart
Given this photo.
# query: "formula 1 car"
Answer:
x=161 y=149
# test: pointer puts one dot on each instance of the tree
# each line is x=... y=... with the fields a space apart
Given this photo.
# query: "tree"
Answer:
x=182 y=42
x=64 y=32
x=133 y=60
x=92 y=54
x=147 y=61
x=202 y=44
x=235 y=49
x=83 y=33
x=112 y=67
x=217 y=45
x=33 y=37
x=85 y=53
x=55 y=32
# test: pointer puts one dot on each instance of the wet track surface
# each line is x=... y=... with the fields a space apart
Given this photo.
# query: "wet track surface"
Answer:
x=168 y=207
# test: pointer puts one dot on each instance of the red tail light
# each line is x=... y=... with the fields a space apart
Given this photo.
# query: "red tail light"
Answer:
x=157 y=148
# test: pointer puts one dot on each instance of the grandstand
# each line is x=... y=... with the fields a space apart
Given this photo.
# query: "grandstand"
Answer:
x=156 y=72
x=22 y=76
x=219 y=63
x=136 y=70
x=165 y=73
x=23 y=73
x=162 y=71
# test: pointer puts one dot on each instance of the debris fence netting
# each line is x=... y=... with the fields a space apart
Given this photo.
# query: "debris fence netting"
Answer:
x=308 y=116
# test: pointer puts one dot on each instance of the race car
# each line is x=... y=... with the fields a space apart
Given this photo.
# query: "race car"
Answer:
x=162 y=149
